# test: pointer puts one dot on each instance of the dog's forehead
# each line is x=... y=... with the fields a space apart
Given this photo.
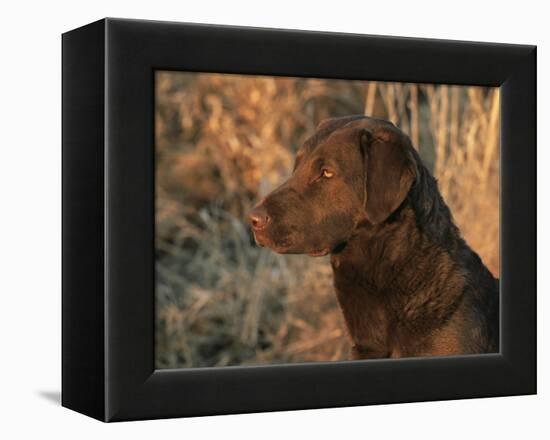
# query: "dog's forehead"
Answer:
x=338 y=135
x=335 y=143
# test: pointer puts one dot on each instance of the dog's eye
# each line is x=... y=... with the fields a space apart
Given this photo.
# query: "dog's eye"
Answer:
x=327 y=173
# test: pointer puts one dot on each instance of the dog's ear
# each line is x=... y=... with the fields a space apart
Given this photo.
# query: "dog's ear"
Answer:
x=389 y=168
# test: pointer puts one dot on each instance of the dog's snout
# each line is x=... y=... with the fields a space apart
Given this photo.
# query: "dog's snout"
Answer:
x=258 y=218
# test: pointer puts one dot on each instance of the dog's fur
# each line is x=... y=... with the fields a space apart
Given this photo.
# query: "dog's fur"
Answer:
x=406 y=281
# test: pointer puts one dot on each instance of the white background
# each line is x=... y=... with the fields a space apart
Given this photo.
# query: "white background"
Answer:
x=30 y=217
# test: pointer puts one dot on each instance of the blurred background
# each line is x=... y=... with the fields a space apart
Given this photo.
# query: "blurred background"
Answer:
x=222 y=142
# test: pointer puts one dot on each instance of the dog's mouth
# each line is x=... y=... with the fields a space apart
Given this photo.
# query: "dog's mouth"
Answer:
x=319 y=252
x=287 y=247
x=281 y=247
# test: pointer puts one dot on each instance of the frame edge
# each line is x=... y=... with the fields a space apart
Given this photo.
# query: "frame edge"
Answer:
x=83 y=100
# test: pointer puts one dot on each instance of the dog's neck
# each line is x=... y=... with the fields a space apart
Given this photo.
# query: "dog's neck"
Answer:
x=392 y=277
x=376 y=255
x=400 y=281
x=422 y=225
x=403 y=272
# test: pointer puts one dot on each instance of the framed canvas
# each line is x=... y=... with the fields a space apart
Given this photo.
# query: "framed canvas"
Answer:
x=187 y=147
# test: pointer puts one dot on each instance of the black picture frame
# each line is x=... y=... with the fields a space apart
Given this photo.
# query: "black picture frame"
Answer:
x=108 y=219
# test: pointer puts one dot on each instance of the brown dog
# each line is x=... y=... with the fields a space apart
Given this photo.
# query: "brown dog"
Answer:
x=406 y=281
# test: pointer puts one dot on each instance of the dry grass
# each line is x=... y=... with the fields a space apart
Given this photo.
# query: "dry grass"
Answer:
x=222 y=142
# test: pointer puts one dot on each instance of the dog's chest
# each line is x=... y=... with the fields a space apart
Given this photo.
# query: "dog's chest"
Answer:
x=365 y=312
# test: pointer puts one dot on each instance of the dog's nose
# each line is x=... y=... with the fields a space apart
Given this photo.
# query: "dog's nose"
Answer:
x=258 y=217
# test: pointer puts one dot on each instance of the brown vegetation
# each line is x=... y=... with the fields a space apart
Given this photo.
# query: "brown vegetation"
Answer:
x=222 y=141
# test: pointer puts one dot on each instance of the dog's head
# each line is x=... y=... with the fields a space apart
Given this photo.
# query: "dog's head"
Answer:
x=352 y=169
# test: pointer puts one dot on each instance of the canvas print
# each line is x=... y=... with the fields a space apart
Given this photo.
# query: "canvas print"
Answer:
x=317 y=220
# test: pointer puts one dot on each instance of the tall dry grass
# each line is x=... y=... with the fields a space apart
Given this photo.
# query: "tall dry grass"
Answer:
x=222 y=141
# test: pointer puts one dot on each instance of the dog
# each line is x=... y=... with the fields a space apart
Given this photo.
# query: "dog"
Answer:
x=406 y=281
